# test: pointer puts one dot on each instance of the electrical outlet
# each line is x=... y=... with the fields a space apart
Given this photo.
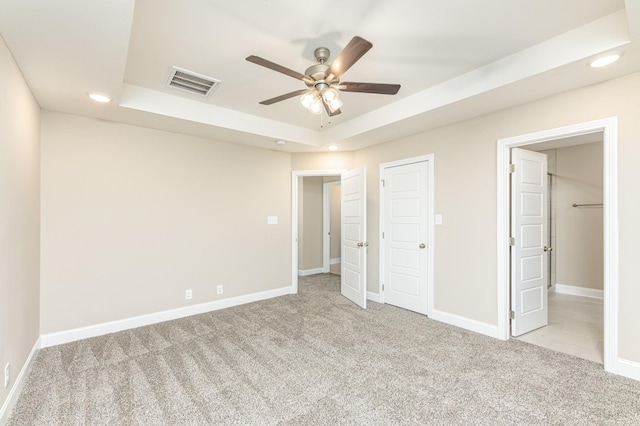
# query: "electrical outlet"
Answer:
x=7 y=374
x=219 y=289
x=188 y=294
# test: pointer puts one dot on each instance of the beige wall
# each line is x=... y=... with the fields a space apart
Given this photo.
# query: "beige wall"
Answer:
x=465 y=194
x=312 y=224
x=579 y=246
x=19 y=219
x=322 y=161
x=132 y=217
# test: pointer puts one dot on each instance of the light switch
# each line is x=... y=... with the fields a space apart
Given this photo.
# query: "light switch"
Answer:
x=438 y=219
x=272 y=220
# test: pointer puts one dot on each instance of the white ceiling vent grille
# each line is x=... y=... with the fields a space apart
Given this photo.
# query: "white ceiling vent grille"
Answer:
x=192 y=82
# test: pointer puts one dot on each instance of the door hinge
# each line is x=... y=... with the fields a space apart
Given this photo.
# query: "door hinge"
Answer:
x=383 y=235
x=512 y=168
x=382 y=180
x=512 y=315
x=382 y=287
x=512 y=241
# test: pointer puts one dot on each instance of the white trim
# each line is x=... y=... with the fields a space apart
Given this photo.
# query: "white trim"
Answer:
x=307 y=272
x=579 y=291
x=335 y=261
x=294 y=217
x=466 y=323
x=608 y=127
x=18 y=384
x=374 y=297
x=630 y=369
x=430 y=159
x=67 y=336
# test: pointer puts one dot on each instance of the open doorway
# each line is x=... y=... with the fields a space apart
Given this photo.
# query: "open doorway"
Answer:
x=574 y=237
x=308 y=224
x=353 y=245
x=608 y=130
x=318 y=224
x=331 y=226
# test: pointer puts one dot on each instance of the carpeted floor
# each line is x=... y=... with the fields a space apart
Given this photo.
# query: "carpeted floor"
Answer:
x=317 y=359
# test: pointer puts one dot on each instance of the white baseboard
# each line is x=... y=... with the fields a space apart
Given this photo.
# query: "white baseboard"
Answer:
x=335 y=260
x=579 y=291
x=628 y=369
x=374 y=297
x=305 y=272
x=18 y=384
x=466 y=323
x=67 y=336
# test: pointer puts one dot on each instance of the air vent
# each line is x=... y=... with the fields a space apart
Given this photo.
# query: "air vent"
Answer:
x=192 y=82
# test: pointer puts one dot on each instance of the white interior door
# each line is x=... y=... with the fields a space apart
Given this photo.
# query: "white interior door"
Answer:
x=406 y=208
x=529 y=260
x=353 y=282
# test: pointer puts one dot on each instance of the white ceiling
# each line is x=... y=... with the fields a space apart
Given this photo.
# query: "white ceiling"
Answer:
x=455 y=59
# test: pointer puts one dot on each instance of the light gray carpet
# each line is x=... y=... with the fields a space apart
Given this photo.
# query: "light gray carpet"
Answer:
x=316 y=358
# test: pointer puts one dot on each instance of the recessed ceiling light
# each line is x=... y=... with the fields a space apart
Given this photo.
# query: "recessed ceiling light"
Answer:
x=279 y=142
x=604 y=60
x=99 y=97
x=332 y=147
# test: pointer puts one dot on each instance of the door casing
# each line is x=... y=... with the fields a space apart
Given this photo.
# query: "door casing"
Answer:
x=609 y=129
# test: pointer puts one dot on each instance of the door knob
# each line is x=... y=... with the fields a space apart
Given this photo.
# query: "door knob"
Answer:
x=363 y=244
x=547 y=248
x=422 y=245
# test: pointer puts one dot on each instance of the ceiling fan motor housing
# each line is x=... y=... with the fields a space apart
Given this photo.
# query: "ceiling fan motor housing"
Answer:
x=318 y=71
x=321 y=54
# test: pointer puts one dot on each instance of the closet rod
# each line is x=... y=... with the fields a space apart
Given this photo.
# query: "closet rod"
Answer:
x=586 y=205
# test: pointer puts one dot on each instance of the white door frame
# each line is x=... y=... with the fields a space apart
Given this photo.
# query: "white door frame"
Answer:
x=430 y=220
x=326 y=224
x=609 y=128
x=294 y=217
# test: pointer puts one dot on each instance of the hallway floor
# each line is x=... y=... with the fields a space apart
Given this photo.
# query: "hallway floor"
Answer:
x=576 y=327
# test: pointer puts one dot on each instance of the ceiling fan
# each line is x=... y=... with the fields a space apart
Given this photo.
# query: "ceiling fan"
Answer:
x=323 y=79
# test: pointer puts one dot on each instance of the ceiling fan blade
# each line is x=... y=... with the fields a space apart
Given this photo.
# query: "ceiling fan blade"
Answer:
x=381 y=89
x=356 y=48
x=273 y=66
x=283 y=97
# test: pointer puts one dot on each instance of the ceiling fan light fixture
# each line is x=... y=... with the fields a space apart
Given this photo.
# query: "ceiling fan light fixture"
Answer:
x=335 y=104
x=307 y=99
x=316 y=105
x=329 y=95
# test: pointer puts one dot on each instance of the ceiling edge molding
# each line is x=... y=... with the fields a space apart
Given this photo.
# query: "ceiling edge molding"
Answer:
x=633 y=18
x=609 y=32
x=147 y=100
